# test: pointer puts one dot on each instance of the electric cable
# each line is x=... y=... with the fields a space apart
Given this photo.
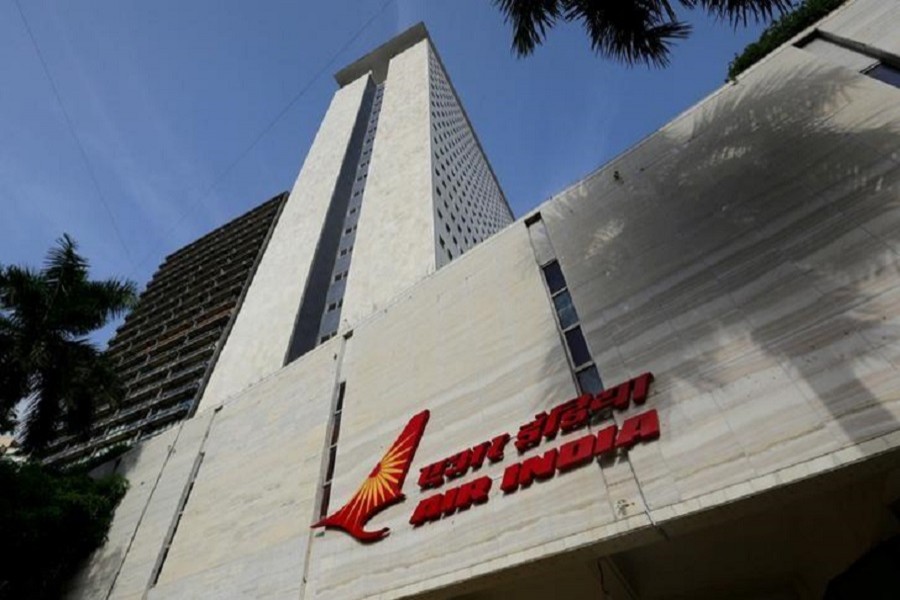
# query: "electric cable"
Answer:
x=68 y=119
x=271 y=124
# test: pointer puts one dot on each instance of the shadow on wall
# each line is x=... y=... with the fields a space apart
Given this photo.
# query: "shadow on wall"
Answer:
x=100 y=571
x=753 y=244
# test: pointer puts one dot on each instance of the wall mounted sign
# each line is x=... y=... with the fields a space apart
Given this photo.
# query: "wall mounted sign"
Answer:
x=383 y=486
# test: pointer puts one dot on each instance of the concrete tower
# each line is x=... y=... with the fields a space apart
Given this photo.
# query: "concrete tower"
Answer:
x=395 y=186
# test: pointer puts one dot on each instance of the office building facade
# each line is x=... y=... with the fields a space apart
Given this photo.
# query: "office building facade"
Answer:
x=678 y=378
x=395 y=186
x=166 y=348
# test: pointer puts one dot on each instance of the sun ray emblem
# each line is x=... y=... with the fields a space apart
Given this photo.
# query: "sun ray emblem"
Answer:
x=382 y=488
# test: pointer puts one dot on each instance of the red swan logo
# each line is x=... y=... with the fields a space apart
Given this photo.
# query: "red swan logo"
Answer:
x=382 y=488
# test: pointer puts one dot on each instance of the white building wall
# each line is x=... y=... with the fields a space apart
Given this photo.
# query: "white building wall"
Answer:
x=394 y=245
x=157 y=478
x=469 y=205
x=258 y=342
x=448 y=346
x=748 y=254
x=245 y=531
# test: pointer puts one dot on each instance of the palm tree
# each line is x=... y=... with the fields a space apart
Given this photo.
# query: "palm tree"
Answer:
x=45 y=357
x=632 y=31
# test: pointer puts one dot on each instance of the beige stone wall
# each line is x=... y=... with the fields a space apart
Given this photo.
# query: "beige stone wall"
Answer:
x=157 y=476
x=257 y=344
x=748 y=254
x=245 y=529
x=450 y=347
x=394 y=245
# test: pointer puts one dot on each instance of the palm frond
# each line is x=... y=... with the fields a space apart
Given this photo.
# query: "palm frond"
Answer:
x=63 y=265
x=44 y=316
x=23 y=295
x=635 y=31
x=630 y=31
x=92 y=304
x=530 y=21
x=741 y=12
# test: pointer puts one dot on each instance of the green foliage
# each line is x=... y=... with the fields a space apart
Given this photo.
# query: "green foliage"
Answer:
x=50 y=523
x=781 y=31
x=45 y=356
x=111 y=453
x=630 y=31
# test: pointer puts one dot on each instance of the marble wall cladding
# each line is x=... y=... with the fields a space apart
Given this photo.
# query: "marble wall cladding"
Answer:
x=142 y=467
x=870 y=22
x=747 y=255
x=394 y=245
x=258 y=342
x=246 y=527
x=449 y=346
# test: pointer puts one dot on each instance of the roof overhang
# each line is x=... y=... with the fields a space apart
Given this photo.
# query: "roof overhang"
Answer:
x=376 y=61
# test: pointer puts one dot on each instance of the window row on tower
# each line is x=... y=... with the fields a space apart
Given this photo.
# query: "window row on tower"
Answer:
x=469 y=205
x=334 y=299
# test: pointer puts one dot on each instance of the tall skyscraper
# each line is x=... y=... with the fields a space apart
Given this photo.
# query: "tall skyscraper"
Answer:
x=382 y=424
x=167 y=346
x=395 y=186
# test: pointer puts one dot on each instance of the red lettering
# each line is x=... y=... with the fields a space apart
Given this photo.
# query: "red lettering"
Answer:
x=538 y=468
x=458 y=464
x=641 y=388
x=478 y=454
x=614 y=397
x=428 y=509
x=576 y=453
x=498 y=444
x=454 y=499
x=639 y=428
x=510 y=482
x=432 y=476
x=448 y=505
x=574 y=413
x=473 y=492
x=530 y=434
x=606 y=440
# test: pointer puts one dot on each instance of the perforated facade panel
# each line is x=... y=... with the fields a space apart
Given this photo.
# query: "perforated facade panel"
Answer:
x=469 y=205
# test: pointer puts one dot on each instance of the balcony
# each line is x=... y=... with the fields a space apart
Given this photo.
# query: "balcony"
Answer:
x=154 y=418
x=182 y=390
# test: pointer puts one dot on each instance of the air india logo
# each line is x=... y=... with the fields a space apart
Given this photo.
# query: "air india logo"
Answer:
x=382 y=488
x=589 y=429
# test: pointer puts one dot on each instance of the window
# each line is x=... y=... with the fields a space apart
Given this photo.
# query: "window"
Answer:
x=553 y=275
x=182 y=504
x=582 y=363
x=589 y=379
x=885 y=73
x=577 y=346
x=564 y=309
x=332 y=450
x=841 y=52
x=341 y=275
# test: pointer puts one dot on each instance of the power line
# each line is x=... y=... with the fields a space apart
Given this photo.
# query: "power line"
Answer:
x=68 y=119
x=274 y=121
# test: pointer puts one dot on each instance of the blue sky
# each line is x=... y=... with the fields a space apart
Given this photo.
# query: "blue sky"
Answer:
x=167 y=97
